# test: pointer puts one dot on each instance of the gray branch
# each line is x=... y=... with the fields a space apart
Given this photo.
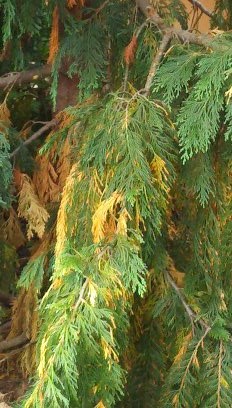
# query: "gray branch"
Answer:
x=201 y=7
x=19 y=78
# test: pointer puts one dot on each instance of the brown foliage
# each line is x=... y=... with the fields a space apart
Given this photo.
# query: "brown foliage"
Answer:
x=130 y=50
x=54 y=37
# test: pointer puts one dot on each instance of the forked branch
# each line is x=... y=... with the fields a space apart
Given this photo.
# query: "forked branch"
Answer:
x=184 y=36
x=201 y=7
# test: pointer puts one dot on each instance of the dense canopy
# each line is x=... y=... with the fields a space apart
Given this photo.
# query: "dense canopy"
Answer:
x=115 y=204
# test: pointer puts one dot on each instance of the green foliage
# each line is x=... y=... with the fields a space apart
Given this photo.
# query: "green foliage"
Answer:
x=134 y=287
x=33 y=273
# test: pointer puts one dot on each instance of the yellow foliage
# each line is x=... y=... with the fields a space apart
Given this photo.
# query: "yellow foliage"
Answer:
x=105 y=210
x=92 y=292
x=30 y=208
x=228 y=94
x=160 y=172
x=109 y=352
x=224 y=383
x=100 y=405
x=175 y=400
x=67 y=198
x=184 y=347
x=122 y=222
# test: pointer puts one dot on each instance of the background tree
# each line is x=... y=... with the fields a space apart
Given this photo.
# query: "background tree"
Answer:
x=115 y=195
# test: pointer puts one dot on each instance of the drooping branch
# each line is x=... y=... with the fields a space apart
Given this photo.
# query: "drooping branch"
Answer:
x=18 y=78
x=35 y=135
x=201 y=7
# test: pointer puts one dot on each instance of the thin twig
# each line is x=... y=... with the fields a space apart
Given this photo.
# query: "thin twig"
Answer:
x=97 y=11
x=16 y=351
x=82 y=291
x=141 y=27
x=194 y=354
x=125 y=80
x=201 y=7
x=219 y=374
x=155 y=63
x=191 y=314
x=35 y=136
x=194 y=25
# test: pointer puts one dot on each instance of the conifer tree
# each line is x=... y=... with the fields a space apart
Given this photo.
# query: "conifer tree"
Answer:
x=115 y=203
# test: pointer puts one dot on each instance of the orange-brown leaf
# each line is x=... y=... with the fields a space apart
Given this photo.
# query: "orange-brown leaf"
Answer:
x=54 y=37
x=130 y=50
x=72 y=3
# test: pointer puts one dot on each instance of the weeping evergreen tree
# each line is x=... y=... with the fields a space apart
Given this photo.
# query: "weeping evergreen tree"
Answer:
x=115 y=196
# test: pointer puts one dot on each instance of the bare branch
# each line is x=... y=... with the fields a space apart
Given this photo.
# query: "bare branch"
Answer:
x=16 y=342
x=155 y=63
x=35 y=135
x=9 y=354
x=18 y=78
x=201 y=7
x=82 y=291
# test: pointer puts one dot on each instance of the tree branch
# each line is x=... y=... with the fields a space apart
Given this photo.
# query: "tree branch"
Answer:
x=155 y=63
x=191 y=314
x=35 y=135
x=17 y=341
x=184 y=36
x=18 y=78
x=201 y=7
